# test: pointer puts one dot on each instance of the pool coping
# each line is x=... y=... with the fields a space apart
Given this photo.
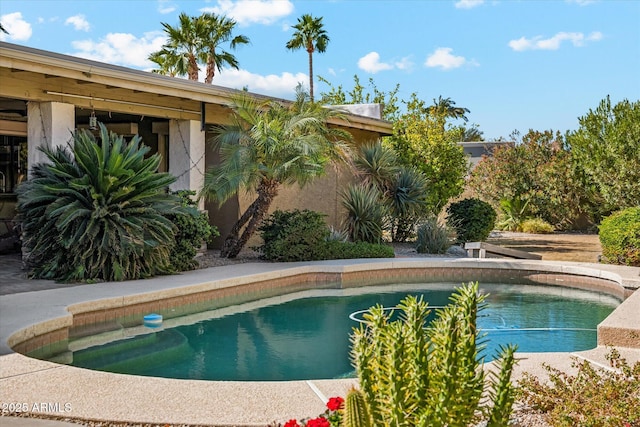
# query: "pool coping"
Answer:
x=142 y=399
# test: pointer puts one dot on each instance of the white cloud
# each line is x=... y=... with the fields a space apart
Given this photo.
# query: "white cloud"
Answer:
x=443 y=58
x=581 y=2
x=468 y=4
x=121 y=49
x=371 y=63
x=18 y=28
x=282 y=86
x=164 y=7
x=553 y=43
x=79 y=22
x=404 y=64
x=252 y=11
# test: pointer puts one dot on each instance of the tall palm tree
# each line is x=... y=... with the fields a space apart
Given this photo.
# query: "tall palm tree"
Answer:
x=184 y=46
x=311 y=36
x=447 y=108
x=268 y=145
x=218 y=30
x=168 y=63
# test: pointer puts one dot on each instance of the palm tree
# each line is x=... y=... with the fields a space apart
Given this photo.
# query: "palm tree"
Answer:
x=311 y=36
x=3 y=30
x=218 y=30
x=183 y=49
x=266 y=146
x=169 y=64
x=447 y=108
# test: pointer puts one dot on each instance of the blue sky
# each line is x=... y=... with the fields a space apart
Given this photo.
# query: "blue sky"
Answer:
x=515 y=64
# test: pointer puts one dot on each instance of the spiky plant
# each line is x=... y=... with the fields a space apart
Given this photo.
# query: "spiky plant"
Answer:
x=97 y=211
x=416 y=376
x=365 y=213
x=403 y=189
x=356 y=412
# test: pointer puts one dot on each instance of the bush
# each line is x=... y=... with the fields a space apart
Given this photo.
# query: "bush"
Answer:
x=620 y=237
x=293 y=235
x=365 y=213
x=536 y=226
x=97 y=211
x=433 y=237
x=594 y=397
x=472 y=219
x=193 y=230
x=350 y=250
x=416 y=376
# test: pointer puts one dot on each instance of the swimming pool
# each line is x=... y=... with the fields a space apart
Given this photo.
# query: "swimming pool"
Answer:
x=306 y=335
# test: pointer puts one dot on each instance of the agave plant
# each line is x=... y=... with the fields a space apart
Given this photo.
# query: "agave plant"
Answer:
x=365 y=213
x=97 y=211
x=402 y=189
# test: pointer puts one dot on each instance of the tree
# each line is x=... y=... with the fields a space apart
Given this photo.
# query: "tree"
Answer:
x=446 y=107
x=97 y=211
x=195 y=41
x=420 y=139
x=266 y=146
x=169 y=63
x=183 y=48
x=311 y=36
x=219 y=30
x=358 y=95
x=606 y=151
x=3 y=30
x=533 y=178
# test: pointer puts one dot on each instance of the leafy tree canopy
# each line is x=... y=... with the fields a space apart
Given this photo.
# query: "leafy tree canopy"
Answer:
x=606 y=149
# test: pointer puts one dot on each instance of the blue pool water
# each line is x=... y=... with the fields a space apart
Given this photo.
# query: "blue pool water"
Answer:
x=306 y=336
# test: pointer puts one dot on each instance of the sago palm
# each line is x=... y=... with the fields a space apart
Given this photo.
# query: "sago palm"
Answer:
x=311 y=36
x=97 y=211
x=268 y=145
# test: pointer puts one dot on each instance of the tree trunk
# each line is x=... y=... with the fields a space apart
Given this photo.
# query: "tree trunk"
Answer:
x=311 y=74
x=252 y=217
x=211 y=71
x=193 y=69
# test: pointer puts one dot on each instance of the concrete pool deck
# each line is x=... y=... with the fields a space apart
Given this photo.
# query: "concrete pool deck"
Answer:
x=60 y=390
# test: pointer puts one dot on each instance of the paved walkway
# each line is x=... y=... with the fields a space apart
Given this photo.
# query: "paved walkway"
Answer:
x=82 y=393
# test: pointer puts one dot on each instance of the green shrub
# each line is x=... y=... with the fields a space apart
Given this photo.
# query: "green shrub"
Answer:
x=536 y=226
x=472 y=219
x=352 y=250
x=192 y=231
x=513 y=212
x=433 y=237
x=97 y=211
x=416 y=376
x=365 y=213
x=293 y=236
x=620 y=237
x=593 y=397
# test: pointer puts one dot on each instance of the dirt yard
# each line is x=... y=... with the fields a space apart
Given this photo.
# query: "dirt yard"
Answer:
x=552 y=247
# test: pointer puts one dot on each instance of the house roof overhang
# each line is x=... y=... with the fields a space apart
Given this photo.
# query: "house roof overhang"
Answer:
x=37 y=75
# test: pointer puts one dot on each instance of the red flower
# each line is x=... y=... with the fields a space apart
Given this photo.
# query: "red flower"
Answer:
x=318 y=422
x=335 y=403
x=291 y=423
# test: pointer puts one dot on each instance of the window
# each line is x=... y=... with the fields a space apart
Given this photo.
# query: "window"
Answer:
x=13 y=162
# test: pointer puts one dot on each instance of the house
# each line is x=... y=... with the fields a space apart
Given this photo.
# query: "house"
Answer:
x=44 y=96
x=475 y=150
